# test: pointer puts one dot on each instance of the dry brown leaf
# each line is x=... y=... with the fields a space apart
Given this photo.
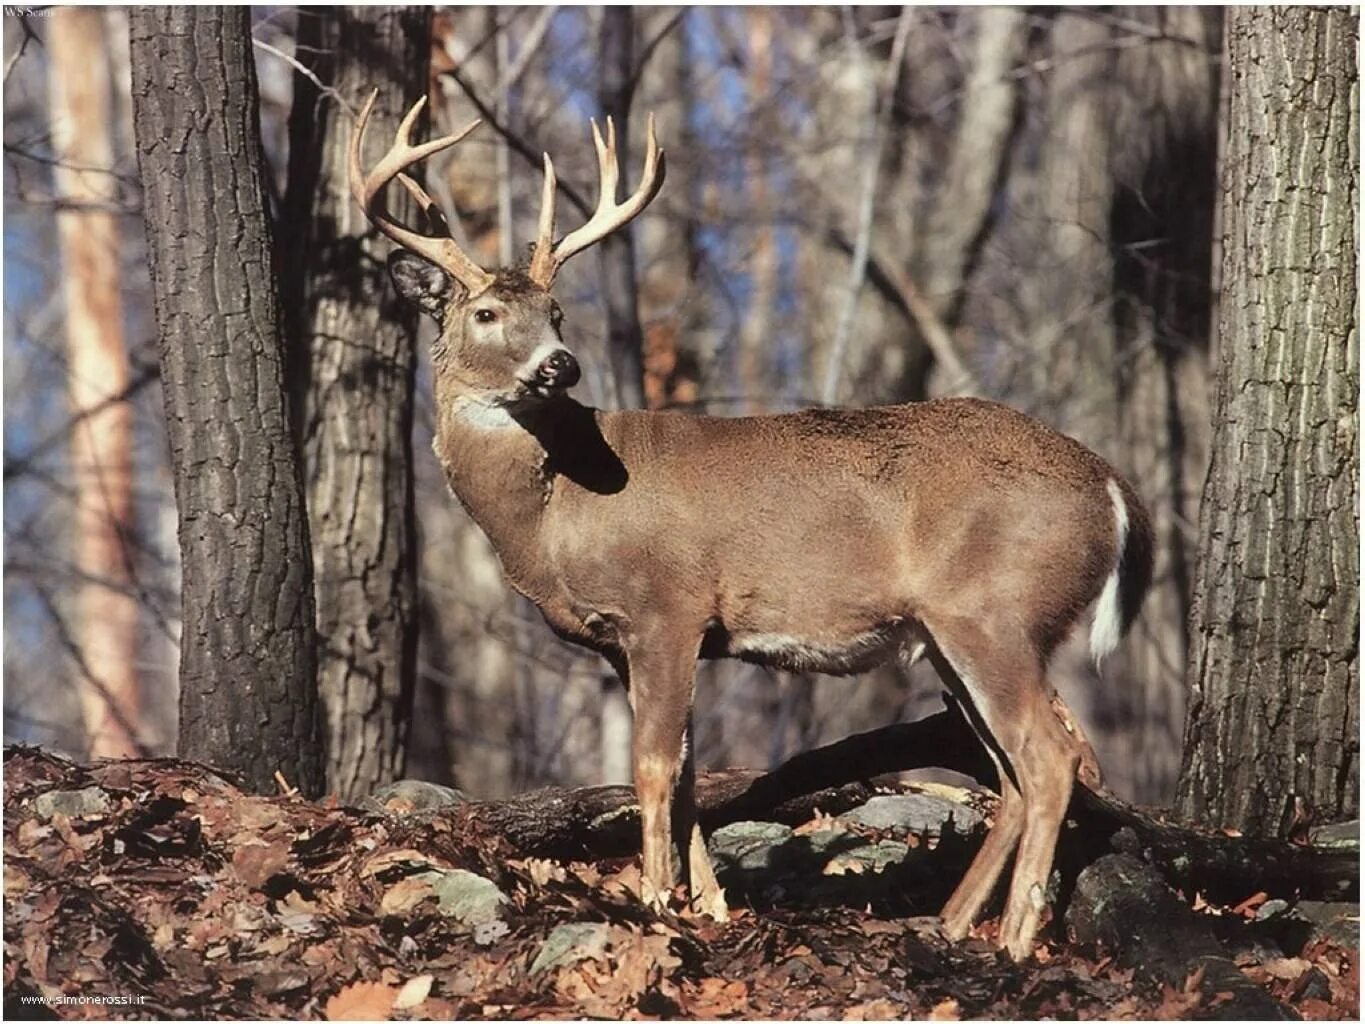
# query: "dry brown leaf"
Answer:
x=365 y=1000
x=402 y=896
x=390 y=859
x=542 y=871
x=256 y=864
x=1286 y=968
x=946 y=1010
x=413 y=992
x=1247 y=908
x=880 y=1009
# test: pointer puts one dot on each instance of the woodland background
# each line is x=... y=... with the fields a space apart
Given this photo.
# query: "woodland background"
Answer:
x=863 y=205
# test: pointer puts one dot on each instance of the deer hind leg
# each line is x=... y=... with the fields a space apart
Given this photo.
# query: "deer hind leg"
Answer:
x=1046 y=762
x=1007 y=701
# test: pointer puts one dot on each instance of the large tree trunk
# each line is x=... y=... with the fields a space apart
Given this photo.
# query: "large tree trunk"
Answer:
x=615 y=89
x=352 y=372
x=1273 y=731
x=97 y=363
x=248 y=698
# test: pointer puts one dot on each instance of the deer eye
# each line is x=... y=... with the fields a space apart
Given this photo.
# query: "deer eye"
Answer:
x=485 y=316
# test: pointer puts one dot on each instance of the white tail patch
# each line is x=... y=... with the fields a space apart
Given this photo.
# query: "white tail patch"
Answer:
x=1107 y=628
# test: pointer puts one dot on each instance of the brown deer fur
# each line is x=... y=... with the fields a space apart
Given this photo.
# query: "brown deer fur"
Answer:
x=823 y=540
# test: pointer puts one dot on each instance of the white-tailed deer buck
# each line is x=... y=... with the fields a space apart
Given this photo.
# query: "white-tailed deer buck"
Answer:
x=827 y=540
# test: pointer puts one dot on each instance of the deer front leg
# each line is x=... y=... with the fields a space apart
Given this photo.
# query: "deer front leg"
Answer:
x=705 y=893
x=661 y=680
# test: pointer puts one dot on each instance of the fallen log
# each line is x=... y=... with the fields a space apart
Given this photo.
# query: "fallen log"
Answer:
x=1122 y=907
x=602 y=820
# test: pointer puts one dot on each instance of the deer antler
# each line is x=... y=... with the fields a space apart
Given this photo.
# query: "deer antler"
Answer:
x=368 y=189
x=547 y=258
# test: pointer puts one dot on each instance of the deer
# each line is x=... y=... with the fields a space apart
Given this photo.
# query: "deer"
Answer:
x=823 y=540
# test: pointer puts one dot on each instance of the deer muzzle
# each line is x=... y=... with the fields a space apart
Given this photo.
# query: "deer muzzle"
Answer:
x=558 y=370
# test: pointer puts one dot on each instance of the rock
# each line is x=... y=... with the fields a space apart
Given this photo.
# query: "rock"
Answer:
x=1271 y=908
x=747 y=845
x=570 y=943
x=915 y=814
x=1340 y=834
x=73 y=803
x=1335 y=922
x=867 y=858
x=470 y=899
x=408 y=795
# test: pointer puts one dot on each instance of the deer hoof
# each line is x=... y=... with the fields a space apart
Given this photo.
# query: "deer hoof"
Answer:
x=712 y=904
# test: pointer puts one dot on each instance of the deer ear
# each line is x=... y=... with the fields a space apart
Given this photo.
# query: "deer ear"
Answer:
x=421 y=282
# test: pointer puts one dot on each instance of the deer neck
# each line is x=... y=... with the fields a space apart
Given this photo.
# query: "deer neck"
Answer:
x=512 y=469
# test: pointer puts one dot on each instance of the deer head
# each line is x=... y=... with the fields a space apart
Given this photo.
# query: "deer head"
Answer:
x=500 y=332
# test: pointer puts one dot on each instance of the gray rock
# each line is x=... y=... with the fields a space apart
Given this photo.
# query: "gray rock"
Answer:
x=748 y=845
x=423 y=796
x=570 y=943
x=1338 y=834
x=915 y=813
x=1336 y=922
x=868 y=858
x=470 y=899
x=1271 y=908
x=73 y=803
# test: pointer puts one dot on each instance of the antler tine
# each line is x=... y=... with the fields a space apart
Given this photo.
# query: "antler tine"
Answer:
x=402 y=154
x=543 y=255
x=609 y=215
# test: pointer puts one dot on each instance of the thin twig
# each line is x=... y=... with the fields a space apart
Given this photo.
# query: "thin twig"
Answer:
x=19 y=50
x=518 y=144
x=307 y=73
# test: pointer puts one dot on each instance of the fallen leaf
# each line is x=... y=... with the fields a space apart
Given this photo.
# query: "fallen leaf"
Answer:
x=946 y=1010
x=403 y=896
x=257 y=864
x=390 y=859
x=365 y=1000
x=1247 y=908
x=1286 y=968
x=413 y=992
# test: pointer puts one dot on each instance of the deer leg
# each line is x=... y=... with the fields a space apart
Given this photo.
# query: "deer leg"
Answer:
x=706 y=895
x=661 y=683
x=993 y=680
x=971 y=894
x=1046 y=762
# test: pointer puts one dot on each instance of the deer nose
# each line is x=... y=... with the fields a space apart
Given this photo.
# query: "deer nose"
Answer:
x=559 y=369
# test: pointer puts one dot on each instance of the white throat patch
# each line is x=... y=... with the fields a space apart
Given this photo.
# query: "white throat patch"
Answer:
x=482 y=414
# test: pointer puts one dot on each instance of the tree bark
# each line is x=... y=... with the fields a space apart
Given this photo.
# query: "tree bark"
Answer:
x=620 y=293
x=248 y=698
x=106 y=628
x=1273 y=728
x=352 y=374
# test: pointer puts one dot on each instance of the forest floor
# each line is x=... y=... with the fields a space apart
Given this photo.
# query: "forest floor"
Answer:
x=158 y=889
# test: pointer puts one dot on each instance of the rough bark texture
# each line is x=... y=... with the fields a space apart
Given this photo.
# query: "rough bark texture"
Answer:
x=106 y=627
x=353 y=361
x=1273 y=731
x=615 y=89
x=248 y=650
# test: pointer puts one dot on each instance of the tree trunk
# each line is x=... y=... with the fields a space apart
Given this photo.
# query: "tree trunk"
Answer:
x=1273 y=730
x=353 y=369
x=248 y=698
x=615 y=89
x=97 y=363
